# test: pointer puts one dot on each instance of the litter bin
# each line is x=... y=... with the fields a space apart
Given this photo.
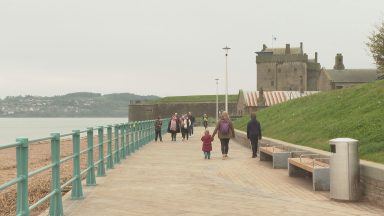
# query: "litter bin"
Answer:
x=344 y=169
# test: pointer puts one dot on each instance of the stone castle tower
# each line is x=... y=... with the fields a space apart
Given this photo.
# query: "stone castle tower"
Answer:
x=339 y=65
x=286 y=69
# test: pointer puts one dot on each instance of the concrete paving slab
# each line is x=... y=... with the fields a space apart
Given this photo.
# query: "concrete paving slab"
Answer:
x=173 y=178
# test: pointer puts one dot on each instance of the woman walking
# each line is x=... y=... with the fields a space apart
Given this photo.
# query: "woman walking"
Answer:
x=174 y=126
x=205 y=121
x=225 y=131
x=184 y=125
x=254 y=133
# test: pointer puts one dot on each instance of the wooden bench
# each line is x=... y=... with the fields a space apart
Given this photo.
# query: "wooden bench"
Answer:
x=316 y=166
x=276 y=154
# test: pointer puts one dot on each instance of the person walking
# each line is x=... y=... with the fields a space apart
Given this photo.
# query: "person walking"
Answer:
x=174 y=126
x=254 y=133
x=185 y=123
x=207 y=144
x=225 y=131
x=192 y=119
x=158 y=126
x=205 y=121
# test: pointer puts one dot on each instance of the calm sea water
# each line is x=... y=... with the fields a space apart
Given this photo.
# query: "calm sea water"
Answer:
x=11 y=128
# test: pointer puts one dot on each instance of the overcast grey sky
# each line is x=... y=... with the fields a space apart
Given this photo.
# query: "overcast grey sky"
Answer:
x=168 y=47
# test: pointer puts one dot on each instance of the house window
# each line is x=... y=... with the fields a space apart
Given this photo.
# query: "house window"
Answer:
x=269 y=70
x=279 y=70
x=272 y=83
x=295 y=69
x=339 y=87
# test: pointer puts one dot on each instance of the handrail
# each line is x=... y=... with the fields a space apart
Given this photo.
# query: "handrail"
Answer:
x=5 y=146
x=127 y=138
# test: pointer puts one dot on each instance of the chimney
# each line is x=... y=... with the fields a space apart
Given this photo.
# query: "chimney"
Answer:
x=339 y=65
x=316 y=57
x=264 y=47
x=287 y=49
x=301 y=47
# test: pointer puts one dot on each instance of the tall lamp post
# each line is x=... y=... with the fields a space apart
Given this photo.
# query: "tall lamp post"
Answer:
x=226 y=48
x=217 y=99
x=256 y=68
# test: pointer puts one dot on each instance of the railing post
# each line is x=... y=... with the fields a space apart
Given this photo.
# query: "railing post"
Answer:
x=135 y=135
x=145 y=133
x=117 y=150
x=101 y=165
x=128 y=138
x=22 y=207
x=91 y=179
x=110 y=153
x=140 y=134
x=149 y=134
x=123 y=150
x=56 y=204
x=77 y=189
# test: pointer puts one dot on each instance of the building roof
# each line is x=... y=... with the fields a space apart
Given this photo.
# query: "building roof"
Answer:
x=273 y=97
x=281 y=51
x=352 y=75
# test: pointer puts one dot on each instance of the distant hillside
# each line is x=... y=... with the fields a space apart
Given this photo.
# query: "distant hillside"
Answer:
x=356 y=112
x=195 y=98
x=80 y=104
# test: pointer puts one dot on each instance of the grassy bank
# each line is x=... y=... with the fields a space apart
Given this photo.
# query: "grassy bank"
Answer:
x=356 y=112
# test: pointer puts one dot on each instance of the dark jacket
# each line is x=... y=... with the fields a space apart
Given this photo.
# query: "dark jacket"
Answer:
x=177 y=126
x=158 y=124
x=192 y=118
x=254 y=129
x=184 y=129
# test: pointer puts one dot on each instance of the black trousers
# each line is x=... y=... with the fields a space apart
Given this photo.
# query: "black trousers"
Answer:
x=205 y=123
x=173 y=135
x=190 y=130
x=255 y=145
x=158 y=135
x=224 y=146
x=185 y=133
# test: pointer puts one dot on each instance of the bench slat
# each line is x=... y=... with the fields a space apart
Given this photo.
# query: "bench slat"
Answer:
x=307 y=164
x=270 y=150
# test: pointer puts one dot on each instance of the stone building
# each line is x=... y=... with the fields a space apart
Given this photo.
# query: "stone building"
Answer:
x=340 y=77
x=287 y=69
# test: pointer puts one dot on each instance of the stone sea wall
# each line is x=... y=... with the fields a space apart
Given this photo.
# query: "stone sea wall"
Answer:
x=139 y=112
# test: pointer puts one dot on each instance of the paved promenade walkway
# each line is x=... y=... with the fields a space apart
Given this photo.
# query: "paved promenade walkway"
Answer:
x=172 y=178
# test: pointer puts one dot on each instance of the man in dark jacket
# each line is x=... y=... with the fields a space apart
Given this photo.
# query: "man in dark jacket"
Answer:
x=254 y=133
x=192 y=118
x=158 y=126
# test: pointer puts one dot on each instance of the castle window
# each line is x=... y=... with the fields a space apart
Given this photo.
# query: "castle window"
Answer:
x=269 y=70
x=295 y=69
x=279 y=70
x=272 y=83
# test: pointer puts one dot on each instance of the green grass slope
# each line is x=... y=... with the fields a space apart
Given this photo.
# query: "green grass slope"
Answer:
x=356 y=112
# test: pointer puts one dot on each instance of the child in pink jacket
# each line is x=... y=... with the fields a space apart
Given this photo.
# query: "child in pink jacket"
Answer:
x=207 y=144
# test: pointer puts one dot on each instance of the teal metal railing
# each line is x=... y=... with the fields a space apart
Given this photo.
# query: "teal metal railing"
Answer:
x=127 y=139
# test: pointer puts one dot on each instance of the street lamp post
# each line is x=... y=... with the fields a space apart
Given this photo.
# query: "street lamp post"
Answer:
x=226 y=48
x=256 y=69
x=217 y=99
